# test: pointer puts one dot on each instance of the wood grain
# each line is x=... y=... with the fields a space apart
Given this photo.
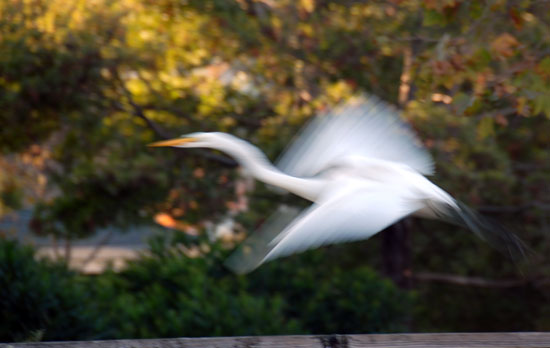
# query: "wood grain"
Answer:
x=446 y=340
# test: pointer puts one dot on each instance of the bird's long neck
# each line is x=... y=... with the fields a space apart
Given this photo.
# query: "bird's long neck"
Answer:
x=253 y=160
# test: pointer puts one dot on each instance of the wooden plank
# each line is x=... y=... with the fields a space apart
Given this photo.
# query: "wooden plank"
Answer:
x=446 y=340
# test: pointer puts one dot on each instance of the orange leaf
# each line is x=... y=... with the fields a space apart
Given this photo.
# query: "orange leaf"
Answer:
x=504 y=45
x=165 y=220
x=516 y=18
x=198 y=173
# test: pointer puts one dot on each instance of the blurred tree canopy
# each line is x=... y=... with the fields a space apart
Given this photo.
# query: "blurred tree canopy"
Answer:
x=85 y=85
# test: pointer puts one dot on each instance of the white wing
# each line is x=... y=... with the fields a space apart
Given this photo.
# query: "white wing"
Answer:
x=251 y=252
x=362 y=127
x=354 y=215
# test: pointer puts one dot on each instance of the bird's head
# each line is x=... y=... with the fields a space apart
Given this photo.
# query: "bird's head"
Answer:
x=214 y=140
x=245 y=153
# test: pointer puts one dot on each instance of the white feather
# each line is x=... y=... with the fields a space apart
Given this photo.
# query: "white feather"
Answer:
x=364 y=127
x=355 y=214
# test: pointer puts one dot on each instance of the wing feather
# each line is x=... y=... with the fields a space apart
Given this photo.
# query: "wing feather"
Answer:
x=354 y=215
x=366 y=127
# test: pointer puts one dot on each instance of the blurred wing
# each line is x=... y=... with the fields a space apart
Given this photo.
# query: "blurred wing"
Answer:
x=347 y=217
x=363 y=127
x=252 y=251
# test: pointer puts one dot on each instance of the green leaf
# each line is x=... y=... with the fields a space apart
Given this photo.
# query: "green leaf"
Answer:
x=485 y=128
x=433 y=18
x=461 y=101
x=544 y=66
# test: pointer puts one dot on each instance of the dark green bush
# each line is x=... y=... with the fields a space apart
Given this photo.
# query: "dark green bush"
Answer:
x=166 y=293
x=169 y=294
x=41 y=300
x=327 y=297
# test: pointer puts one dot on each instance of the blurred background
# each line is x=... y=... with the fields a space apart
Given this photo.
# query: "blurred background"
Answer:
x=102 y=237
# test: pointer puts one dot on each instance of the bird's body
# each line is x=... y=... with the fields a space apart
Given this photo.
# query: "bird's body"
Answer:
x=362 y=168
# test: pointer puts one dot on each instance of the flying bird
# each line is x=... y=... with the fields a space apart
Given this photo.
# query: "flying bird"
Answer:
x=364 y=170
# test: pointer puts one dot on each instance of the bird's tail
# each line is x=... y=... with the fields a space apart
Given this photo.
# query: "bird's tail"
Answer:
x=490 y=231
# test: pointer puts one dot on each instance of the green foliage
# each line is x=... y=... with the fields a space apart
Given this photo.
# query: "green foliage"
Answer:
x=45 y=75
x=167 y=294
x=331 y=299
x=42 y=300
x=507 y=310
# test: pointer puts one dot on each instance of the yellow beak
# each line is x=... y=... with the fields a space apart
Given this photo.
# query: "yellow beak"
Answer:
x=172 y=142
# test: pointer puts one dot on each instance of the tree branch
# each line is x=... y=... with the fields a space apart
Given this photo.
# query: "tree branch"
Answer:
x=479 y=281
x=97 y=249
x=138 y=110
x=494 y=113
x=514 y=209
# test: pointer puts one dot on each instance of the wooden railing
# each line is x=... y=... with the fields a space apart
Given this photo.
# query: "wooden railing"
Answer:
x=447 y=340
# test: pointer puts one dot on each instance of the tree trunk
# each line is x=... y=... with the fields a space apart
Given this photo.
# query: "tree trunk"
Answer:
x=396 y=254
x=396 y=239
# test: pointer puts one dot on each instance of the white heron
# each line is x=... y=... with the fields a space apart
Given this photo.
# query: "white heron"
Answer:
x=362 y=168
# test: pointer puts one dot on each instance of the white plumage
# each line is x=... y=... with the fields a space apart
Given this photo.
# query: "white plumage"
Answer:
x=363 y=169
x=362 y=127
